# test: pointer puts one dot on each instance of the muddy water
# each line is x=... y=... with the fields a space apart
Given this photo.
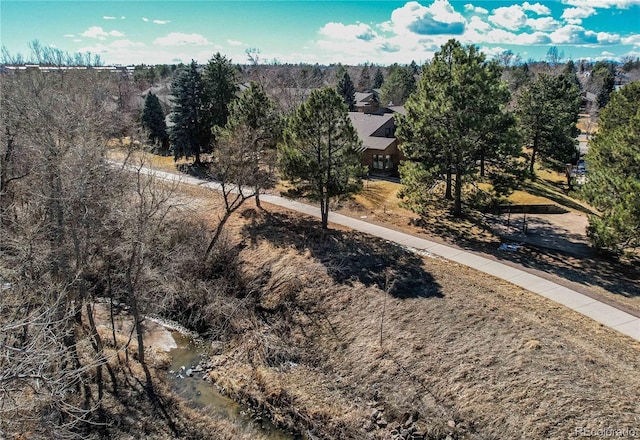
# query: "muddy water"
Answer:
x=202 y=394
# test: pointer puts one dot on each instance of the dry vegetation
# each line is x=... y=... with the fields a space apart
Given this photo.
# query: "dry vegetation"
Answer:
x=462 y=354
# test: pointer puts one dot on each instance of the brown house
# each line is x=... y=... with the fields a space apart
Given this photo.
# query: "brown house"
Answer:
x=379 y=144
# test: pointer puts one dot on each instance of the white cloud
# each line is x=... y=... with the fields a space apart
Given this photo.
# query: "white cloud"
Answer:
x=479 y=25
x=161 y=21
x=509 y=17
x=572 y=34
x=543 y=23
x=352 y=32
x=515 y=18
x=100 y=34
x=121 y=44
x=491 y=52
x=537 y=8
x=415 y=31
x=602 y=4
x=500 y=36
x=181 y=39
x=633 y=39
x=235 y=43
x=575 y=15
x=95 y=32
x=77 y=41
x=69 y=35
x=437 y=19
x=123 y=17
x=145 y=19
x=471 y=8
x=608 y=38
x=108 y=17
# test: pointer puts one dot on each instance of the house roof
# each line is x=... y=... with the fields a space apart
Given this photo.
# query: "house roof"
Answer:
x=363 y=97
x=398 y=109
x=366 y=124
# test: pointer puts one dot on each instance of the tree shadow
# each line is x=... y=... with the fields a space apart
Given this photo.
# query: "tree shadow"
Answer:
x=614 y=276
x=551 y=248
x=202 y=171
x=547 y=247
x=541 y=191
x=350 y=256
x=465 y=231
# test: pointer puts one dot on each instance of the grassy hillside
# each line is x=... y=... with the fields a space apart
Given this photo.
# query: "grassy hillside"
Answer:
x=347 y=336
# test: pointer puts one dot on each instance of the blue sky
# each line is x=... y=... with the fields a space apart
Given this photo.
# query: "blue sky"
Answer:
x=353 y=32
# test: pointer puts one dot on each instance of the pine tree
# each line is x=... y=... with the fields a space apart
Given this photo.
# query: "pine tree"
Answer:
x=153 y=120
x=347 y=90
x=378 y=79
x=455 y=121
x=364 y=83
x=548 y=111
x=398 y=86
x=319 y=154
x=415 y=69
x=614 y=173
x=602 y=81
x=220 y=79
x=191 y=132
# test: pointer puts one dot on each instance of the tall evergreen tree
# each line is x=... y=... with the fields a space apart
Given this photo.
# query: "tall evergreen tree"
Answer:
x=521 y=75
x=220 y=79
x=614 y=173
x=455 y=121
x=364 y=83
x=347 y=90
x=415 y=69
x=398 y=86
x=378 y=79
x=548 y=111
x=191 y=130
x=153 y=120
x=319 y=154
x=570 y=73
x=602 y=80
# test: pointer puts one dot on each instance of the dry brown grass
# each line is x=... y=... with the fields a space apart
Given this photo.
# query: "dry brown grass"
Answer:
x=459 y=346
x=163 y=163
x=586 y=124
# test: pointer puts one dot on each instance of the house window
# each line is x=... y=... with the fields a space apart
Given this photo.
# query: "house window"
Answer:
x=382 y=162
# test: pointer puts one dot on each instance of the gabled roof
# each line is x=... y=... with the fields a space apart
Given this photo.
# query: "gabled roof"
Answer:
x=366 y=125
x=398 y=109
x=363 y=97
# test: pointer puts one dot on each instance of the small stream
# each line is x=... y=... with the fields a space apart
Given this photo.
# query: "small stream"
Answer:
x=204 y=395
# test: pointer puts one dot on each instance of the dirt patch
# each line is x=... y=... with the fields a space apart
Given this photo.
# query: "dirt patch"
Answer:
x=156 y=336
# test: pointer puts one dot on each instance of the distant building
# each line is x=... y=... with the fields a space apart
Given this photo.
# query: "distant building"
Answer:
x=379 y=144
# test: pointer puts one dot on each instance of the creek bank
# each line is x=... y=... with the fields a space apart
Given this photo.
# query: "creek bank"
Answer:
x=184 y=359
x=189 y=376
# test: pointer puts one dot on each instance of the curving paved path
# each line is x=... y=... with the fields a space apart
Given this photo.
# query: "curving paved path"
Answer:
x=603 y=313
